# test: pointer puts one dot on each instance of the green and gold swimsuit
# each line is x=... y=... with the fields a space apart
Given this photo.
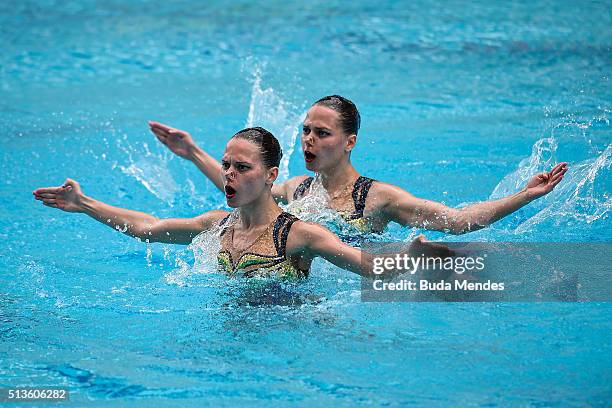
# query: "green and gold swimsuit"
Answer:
x=361 y=188
x=265 y=257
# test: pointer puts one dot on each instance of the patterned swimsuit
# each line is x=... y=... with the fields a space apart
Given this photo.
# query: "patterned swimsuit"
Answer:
x=256 y=260
x=361 y=188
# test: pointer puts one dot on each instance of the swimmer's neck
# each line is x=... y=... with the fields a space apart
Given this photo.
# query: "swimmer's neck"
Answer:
x=338 y=177
x=258 y=213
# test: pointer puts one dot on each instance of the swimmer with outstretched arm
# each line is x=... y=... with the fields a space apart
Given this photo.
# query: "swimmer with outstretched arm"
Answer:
x=262 y=237
x=329 y=135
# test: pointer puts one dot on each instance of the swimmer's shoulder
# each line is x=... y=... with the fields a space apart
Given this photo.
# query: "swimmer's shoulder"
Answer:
x=285 y=190
x=294 y=182
x=382 y=194
x=299 y=243
x=304 y=233
x=212 y=218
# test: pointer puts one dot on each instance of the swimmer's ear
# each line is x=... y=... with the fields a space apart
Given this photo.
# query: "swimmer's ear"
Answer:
x=272 y=175
x=351 y=140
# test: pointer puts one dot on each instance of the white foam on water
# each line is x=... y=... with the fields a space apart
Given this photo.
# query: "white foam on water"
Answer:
x=542 y=159
x=150 y=170
x=154 y=177
x=268 y=110
x=579 y=197
x=582 y=197
x=205 y=247
x=314 y=206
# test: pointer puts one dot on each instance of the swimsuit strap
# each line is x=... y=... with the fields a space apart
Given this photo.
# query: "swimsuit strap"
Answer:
x=360 y=194
x=222 y=223
x=302 y=187
x=282 y=226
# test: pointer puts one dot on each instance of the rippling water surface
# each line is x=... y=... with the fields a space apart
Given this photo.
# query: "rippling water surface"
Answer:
x=459 y=102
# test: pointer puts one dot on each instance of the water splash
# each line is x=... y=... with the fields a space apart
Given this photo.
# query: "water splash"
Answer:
x=149 y=169
x=542 y=159
x=269 y=110
x=205 y=247
x=582 y=197
x=314 y=206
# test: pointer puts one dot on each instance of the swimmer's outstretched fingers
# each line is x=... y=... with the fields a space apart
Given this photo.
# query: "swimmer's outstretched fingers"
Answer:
x=178 y=141
x=182 y=144
x=64 y=197
x=543 y=183
x=421 y=246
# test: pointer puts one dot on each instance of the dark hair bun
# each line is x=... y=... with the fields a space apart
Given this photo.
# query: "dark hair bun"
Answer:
x=271 y=151
x=350 y=120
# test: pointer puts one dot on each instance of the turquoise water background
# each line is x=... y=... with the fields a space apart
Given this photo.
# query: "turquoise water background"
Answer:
x=459 y=103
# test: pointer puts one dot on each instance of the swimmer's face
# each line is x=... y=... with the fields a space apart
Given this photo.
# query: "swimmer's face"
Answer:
x=324 y=142
x=245 y=177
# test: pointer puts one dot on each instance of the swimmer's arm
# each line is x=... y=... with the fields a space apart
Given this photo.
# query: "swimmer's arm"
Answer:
x=70 y=198
x=309 y=240
x=210 y=167
x=406 y=209
x=182 y=144
x=147 y=227
x=279 y=193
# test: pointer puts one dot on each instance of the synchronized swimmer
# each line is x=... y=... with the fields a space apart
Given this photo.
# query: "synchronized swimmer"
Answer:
x=329 y=135
x=263 y=241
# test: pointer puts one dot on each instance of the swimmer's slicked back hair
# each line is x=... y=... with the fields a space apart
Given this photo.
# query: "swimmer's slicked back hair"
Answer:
x=271 y=152
x=350 y=120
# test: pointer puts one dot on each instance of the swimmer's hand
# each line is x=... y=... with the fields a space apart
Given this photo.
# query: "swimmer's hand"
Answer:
x=544 y=183
x=182 y=144
x=422 y=247
x=68 y=197
x=179 y=142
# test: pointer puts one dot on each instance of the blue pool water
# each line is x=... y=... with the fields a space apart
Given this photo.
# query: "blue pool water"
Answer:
x=460 y=102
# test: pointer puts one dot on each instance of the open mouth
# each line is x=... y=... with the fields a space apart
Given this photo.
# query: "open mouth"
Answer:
x=309 y=157
x=230 y=192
